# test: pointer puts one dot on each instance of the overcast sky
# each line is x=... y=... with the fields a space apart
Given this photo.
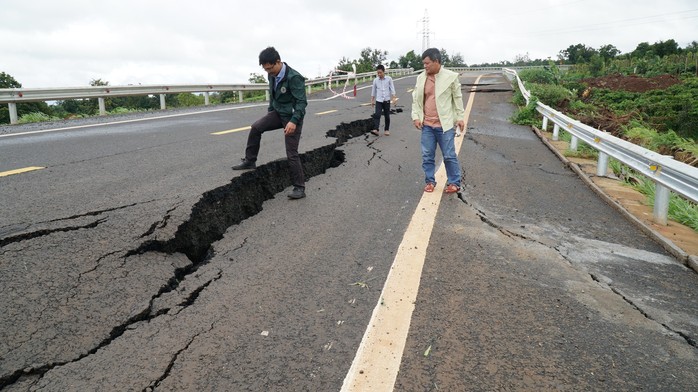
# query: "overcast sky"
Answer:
x=50 y=43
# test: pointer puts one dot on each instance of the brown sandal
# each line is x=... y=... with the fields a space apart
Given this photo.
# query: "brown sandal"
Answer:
x=429 y=188
x=452 y=188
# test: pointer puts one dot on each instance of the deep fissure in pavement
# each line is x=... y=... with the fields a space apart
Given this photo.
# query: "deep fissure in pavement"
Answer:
x=242 y=198
x=230 y=204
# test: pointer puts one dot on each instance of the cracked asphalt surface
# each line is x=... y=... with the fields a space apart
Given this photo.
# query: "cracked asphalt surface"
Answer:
x=139 y=261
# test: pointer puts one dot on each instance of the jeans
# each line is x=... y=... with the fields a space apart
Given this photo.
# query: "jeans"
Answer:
x=430 y=137
x=383 y=107
x=269 y=122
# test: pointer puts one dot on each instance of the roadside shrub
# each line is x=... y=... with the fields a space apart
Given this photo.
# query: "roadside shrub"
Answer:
x=122 y=110
x=537 y=75
x=662 y=142
x=577 y=106
x=549 y=94
x=527 y=115
x=36 y=117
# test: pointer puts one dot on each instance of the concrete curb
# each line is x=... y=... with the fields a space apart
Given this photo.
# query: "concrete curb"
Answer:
x=668 y=245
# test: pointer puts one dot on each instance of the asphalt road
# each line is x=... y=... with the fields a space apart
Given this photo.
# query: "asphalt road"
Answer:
x=137 y=260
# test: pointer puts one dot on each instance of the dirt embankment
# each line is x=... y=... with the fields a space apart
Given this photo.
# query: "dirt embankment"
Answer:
x=632 y=83
x=607 y=120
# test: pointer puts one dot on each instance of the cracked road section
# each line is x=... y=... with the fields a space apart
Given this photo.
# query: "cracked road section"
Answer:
x=99 y=263
x=533 y=284
x=530 y=281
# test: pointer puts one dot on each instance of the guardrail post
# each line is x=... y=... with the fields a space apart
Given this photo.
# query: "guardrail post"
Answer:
x=102 y=108
x=556 y=132
x=602 y=164
x=310 y=89
x=267 y=95
x=661 y=203
x=240 y=96
x=206 y=99
x=13 y=112
x=545 y=123
x=162 y=102
x=573 y=143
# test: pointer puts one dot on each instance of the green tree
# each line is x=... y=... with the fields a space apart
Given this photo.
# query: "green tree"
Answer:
x=258 y=78
x=370 y=59
x=522 y=59
x=410 y=60
x=458 y=61
x=7 y=81
x=608 y=52
x=345 y=64
x=576 y=54
x=445 y=58
x=666 y=48
x=692 y=47
x=643 y=49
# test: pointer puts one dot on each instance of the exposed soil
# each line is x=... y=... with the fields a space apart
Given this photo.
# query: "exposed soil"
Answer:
x=606 y=120
x=632 y=83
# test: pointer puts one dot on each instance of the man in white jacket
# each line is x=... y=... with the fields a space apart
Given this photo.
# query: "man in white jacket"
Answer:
x=437 y=109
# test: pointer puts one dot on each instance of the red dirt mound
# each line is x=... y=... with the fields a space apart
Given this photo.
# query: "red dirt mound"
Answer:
x=632 y=83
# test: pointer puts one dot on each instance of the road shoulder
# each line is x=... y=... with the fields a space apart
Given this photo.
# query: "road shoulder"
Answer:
x=679 y=240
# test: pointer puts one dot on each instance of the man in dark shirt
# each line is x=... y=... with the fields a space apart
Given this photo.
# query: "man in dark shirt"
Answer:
x=286 y=110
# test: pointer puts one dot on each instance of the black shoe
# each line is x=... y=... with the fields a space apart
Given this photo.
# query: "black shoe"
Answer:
x=245 y=165
x=298 y=192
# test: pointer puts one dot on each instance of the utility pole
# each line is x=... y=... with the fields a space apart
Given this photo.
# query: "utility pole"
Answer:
x=425 y=31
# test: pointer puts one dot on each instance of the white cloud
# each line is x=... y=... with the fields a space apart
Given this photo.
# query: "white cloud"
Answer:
x=68 y=43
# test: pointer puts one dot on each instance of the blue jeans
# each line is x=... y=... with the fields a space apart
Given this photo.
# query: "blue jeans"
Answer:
x=430 y=137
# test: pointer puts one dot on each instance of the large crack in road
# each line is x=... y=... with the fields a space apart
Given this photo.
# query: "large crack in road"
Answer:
x=215 y=212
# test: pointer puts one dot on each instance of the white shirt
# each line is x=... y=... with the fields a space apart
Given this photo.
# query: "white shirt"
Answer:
x=383 y=89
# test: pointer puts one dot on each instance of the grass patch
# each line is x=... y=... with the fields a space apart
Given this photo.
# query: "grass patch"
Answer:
x=680 y=210
x=36 y=117
x=583 y=150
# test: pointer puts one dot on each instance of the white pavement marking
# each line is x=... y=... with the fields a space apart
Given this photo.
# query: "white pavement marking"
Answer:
x=377 y=361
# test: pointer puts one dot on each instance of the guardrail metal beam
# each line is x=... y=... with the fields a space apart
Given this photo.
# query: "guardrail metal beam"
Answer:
x=18 y=95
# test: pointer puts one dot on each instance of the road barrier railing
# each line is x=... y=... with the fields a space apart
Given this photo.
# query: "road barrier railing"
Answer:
x=13 y=96
x=666 y=173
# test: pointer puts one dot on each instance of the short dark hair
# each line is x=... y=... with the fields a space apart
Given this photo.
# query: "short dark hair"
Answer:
x=269 y=56
x=380 y=67
x=433 y=54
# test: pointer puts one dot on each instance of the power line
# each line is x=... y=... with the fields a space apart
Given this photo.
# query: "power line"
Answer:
x=618 y=23
x=546 y=8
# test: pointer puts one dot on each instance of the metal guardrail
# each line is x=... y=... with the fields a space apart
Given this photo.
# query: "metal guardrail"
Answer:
x=14 y=96
x=666 y=173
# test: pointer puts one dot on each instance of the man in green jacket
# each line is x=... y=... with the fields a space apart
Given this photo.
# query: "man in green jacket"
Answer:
x=437 y=109
x=286 y=110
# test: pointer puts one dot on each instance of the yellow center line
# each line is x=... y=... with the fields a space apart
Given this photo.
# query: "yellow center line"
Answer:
x=365 y=104
x=377 y=361
x=327 y=112
x=22 y=170
x=231 y=131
